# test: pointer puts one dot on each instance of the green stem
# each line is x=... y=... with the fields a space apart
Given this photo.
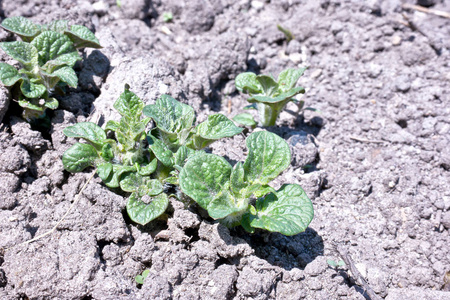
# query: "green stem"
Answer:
x=268 y=114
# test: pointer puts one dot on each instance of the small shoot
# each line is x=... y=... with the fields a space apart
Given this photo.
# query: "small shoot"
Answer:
x=141 y=278
x=240 y=195
x=46 y=55
x=287 y=33
x=269 y=95
x=167 y=17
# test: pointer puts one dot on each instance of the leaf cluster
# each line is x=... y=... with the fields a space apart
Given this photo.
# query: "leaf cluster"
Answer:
x=240 y=195
x=46 y=54
x=142 y=163
x=268 y=95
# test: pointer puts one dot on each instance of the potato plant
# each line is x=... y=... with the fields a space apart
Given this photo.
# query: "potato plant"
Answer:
x=138 y=162
x=240 y=195
x=269 y=96
x=46 y=55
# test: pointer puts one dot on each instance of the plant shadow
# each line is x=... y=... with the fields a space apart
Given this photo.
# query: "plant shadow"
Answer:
x=287 y=252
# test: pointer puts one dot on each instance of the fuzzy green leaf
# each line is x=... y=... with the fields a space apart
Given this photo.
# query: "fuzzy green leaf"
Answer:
x=51 y=45
x=237 y=183
x=281 y=97
x=288 y=78
x=67 y=75
x=59 y=26
x=216 y=127
x=67 y=59
x=269 y=85
x=114 y=178
x=51 y=103
x=222 y=206
x=143 y=213
x=21 y=26
x=82 y=37
x=112 y=125
x=247 y=83
x=23 y=52
x=129 y=104
x=130 y=182
x=9 y=75
x=268 y=156
x=147 y=169
x=79 y=157
x=245 y=119
x=288 y=211
x=161 y=151
x=182 y=154
x=151 y=187
x=88 y=131
x=104 y=170
x=204 y=177
x=170 y=115
x=31 y=104
x=32 y=90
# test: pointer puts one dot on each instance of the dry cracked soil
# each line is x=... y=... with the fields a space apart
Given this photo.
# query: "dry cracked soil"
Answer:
x=373 y=156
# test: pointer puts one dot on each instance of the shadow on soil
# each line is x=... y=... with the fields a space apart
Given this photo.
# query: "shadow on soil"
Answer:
x=287 y=252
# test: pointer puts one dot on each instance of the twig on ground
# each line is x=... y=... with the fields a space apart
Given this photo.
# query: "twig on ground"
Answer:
x=77 y=198
x=359 y=278
x=436 y=12
x=229 y=105
x=414 y=27
x=365 y=140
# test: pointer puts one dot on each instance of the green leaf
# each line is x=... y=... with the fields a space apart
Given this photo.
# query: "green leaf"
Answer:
x=182 y=154
x=245 y=119
x=288 y=34
x=88 y=131
x=23 y=52
x=130 y=182
x=247 y=83
x=79 y=157
x=281 y=97
x=112 y=125
x=161 y=151
x=129 y=104
x=288 y=211
x=263 y=190
x=268 y=156
x=31 y=104
x=114 y=178
x=269 y=85
x=224 y=205
x=140 y=278
x=147 y=169
x=32 y=90
x=107 y=151
x=67 y=75
x=51 y=45
x=82 y=37
x=104 y=170
x=216 y=127
x=142 y=213
x=9 y=75
x=204 y=177
x=170 y=115
x=59 y=26
x=237 y=183
x=288 y=78
x=67 y=59
x=251 y=106
x=51 y=103
x=21 y=26
x=152 y=187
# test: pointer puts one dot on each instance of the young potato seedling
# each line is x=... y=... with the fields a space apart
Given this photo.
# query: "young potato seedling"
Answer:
x=226 y=192
x=270 y=96
x=140 y=163
x=46 y=54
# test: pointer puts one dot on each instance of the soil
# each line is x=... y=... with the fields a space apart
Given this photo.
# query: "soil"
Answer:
x=374 y=156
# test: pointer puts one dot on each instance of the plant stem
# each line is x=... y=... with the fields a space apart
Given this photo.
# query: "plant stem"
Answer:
x=268 y=114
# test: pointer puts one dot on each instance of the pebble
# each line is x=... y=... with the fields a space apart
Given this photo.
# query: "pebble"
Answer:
x=396 y=40
x=402 y=83
x=257 y=5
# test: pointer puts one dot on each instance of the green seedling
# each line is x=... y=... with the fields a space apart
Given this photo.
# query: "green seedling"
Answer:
x=140 y=163
x=287 y=33
x=240 y=195
x=167 y=17
x=123 y=162
x=46 y=55
x=270 y=96
x=140 y=278
x=335 y=264
x=175 y=125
